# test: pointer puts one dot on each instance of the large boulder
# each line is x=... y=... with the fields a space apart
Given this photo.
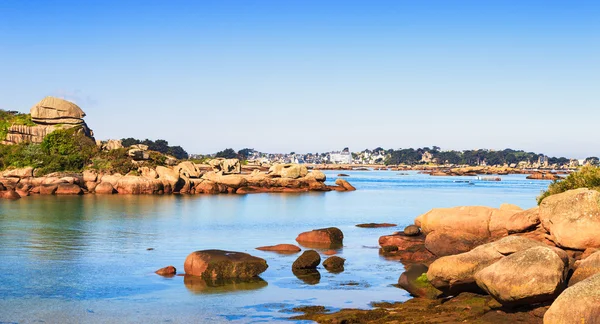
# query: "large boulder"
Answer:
x=170 y=177
x=334 y=264
x=227 y=166
x=51 y=110
x=68 y=189
x=188 y=169
x=9 y=194
x=105 y=188
x=459 y=229
x=577 y=304
x=219 y=265
x=523 y=220
x=573 y=218
x=586 y=268
x=138 y=185
x=324 y=237
x=317 y=175
x=90 y=176
x=530 y=276
x=111 y=144
x=206 y=187
x=308 y=260
x=456 y=273
x=291 y=171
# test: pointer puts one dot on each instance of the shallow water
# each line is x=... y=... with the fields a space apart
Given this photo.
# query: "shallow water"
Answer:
x=85 y=259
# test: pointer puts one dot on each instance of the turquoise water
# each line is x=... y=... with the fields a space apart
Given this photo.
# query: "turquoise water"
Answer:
x=86 y=259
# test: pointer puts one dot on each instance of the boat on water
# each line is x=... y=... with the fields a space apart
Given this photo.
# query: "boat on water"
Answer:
x=489 y=178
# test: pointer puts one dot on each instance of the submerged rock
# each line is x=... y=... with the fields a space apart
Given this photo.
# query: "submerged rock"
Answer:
x=166 y=271
x=281 y=248
x=375 y=225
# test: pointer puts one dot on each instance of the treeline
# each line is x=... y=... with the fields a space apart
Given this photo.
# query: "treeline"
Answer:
x=159 y=145
x=471 y=157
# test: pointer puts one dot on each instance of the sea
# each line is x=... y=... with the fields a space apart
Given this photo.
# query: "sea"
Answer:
x=91 y=258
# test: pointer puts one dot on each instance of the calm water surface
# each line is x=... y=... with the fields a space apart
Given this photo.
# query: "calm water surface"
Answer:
x=85 y=259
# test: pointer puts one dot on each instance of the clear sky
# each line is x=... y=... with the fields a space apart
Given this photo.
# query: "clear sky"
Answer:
x=282 y=76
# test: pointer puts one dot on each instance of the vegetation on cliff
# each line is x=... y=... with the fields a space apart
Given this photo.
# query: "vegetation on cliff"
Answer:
x=9 y=118
x=586 y=177
x=62 y=150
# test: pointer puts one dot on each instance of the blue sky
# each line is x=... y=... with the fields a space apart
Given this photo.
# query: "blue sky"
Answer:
x=302 y=76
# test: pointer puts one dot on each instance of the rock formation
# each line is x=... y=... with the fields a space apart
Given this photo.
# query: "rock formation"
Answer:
x=49 y=114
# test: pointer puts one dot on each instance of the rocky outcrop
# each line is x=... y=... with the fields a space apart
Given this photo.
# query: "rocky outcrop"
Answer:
x=110 y=145
x=577 y=304
x=322 y=238
x=185 y=177
x=218 y=265
x=49 y=115
x=226 y=166
x=572 y=218
x=139 y=152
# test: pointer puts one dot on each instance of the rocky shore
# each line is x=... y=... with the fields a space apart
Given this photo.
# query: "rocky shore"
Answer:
x=221 y=176
x=494 y=265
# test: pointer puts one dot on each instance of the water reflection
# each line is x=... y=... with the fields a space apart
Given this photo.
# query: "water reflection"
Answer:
x=197 y=285
x=308 y=276
x=321 y=246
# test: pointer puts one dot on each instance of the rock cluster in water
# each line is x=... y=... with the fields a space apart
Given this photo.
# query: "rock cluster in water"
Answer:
x=184 y=178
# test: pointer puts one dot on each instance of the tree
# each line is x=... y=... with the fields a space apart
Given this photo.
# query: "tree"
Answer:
x=228 y=153
x=592 y=160
x=245 y=153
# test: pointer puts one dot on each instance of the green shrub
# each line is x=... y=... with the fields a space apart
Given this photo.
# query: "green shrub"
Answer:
x=586 y=177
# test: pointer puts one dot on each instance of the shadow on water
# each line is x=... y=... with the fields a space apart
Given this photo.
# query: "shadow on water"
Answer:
x=197 y=285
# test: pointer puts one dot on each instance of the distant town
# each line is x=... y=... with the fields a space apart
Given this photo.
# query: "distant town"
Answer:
x=421 y=156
